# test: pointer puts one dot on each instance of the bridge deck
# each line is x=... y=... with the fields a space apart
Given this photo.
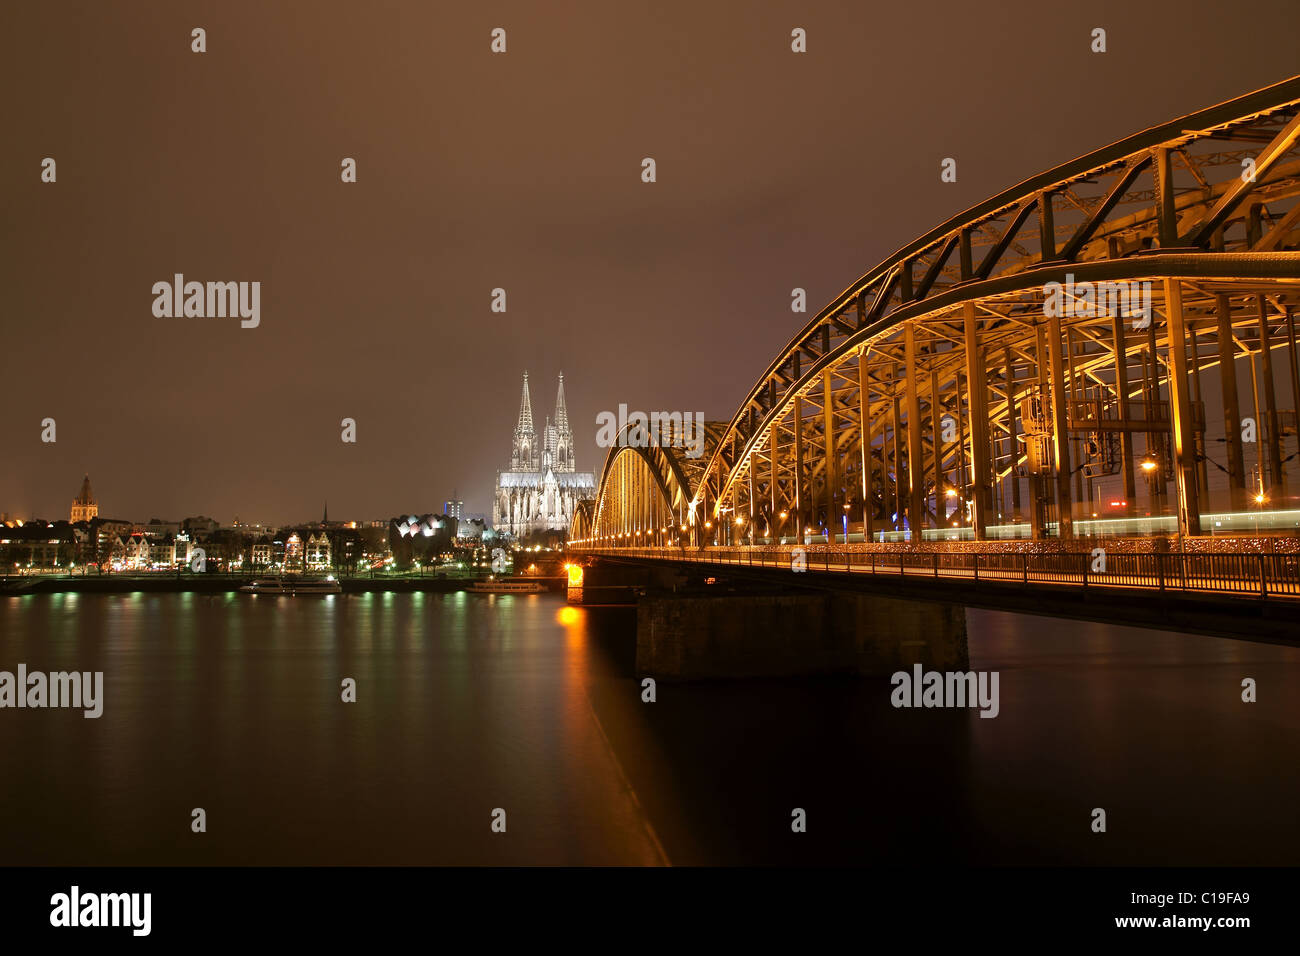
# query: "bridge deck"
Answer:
x=1259 y=576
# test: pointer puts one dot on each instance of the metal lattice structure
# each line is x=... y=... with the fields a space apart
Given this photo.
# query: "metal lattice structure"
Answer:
x=1090 y=324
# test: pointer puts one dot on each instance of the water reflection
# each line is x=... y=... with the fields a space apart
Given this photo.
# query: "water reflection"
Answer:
x=467 y=703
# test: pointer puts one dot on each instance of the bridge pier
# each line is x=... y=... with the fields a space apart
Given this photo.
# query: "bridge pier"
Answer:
x=698 y=635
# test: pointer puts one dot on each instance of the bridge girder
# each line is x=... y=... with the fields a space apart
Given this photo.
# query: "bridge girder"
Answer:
x=940 y=375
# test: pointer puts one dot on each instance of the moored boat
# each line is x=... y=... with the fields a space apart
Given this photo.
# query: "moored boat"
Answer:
x=506 y=586
x=292 y=585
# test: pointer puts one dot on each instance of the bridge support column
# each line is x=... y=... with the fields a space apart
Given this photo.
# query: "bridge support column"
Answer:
x=704 y=637
x=773 y=528
x=1060 y=434
x=1273 y=436
x=977 y=410
x=797 y=511
x=1013 y=449
x=828 y=468
x=915 y=454
x=1231 y=404
x=864 y=425
x=1119 y=348
x=941 y=483
x=895 y=427
x=1189 y=511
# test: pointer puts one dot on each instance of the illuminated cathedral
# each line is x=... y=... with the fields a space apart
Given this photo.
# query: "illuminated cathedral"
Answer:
x=542 y=487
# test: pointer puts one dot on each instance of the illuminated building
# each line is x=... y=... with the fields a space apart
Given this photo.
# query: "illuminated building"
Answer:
x=84 y=506
x=542 y=489
x=293 y=559
x=318 y=552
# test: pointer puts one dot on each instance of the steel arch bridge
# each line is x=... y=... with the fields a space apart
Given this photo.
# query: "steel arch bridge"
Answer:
x=1094 y=326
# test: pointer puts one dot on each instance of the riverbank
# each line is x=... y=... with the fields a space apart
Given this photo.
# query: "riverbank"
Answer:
x=221 y=584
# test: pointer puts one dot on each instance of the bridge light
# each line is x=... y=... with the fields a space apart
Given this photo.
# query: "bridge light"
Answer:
x=1149 y=463
x=708 y=524
x=683 y=529
x=1260 y=499
x=951 y=493
x=739 y=520
x=785 y=514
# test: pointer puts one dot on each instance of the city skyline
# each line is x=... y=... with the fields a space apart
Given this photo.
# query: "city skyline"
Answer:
x=89 y=508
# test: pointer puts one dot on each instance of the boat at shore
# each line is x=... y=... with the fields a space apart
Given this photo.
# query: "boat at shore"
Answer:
x=506 y=586
x=292 y=585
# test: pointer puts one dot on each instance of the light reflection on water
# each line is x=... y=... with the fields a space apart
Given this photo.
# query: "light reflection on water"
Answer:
x=467 y=703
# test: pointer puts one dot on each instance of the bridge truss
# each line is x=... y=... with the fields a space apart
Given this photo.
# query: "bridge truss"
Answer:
x=1095 y=324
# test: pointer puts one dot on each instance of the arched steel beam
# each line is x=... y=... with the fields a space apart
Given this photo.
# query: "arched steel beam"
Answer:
x=1284 y=266
x=1126 y=159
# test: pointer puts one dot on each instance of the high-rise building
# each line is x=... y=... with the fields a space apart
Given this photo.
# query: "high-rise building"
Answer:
x=84 y=506
x=453 y=508
x=543 y=487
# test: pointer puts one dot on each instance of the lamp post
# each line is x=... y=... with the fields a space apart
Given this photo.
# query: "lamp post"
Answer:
x=1149 y=466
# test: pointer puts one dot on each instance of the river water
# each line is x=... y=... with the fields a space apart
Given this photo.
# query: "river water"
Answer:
x=468 y=704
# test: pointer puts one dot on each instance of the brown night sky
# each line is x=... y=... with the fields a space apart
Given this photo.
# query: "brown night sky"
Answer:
x=477 y=170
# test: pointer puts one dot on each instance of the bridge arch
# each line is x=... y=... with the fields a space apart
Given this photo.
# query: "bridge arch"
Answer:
x=1079 y=331
x=643 y=495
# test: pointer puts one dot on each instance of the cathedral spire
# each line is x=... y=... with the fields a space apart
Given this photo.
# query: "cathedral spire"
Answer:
x=525 y=411
x=561 y=413
x=563 y=451
x=523 y=457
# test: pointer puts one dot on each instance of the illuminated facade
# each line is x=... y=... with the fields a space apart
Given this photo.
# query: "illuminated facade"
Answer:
x=319 y=552
x=293 y=558
x=84 y=506
x=542 y=489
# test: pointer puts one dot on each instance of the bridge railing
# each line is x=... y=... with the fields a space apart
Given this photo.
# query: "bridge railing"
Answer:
x=1246 y=574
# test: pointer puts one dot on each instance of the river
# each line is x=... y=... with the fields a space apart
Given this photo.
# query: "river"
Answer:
x=469 y=704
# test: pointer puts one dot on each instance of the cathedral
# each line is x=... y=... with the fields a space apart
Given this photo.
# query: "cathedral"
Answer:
x=542 y=488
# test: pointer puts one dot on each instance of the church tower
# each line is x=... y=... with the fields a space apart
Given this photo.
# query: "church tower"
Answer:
x=563 y=454
x=84 y=506
x=524 y=456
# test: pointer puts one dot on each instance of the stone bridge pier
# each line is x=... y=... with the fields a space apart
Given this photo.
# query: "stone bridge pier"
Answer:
x=695 y=625
x=697 y=635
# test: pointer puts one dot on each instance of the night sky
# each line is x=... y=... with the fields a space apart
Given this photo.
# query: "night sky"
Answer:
x=519 y=170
